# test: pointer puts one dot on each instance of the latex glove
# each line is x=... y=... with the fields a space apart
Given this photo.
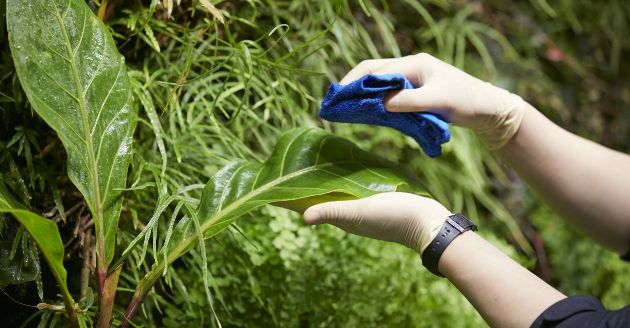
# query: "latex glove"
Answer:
x=400 y=217
x=493 y=113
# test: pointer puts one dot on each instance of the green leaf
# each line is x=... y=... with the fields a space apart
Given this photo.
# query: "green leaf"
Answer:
x=17 y=269
x=76 y=80
x=307 y=166
x=47 y=238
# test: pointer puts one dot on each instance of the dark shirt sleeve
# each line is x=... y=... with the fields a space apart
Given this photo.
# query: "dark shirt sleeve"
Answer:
x=582 y=311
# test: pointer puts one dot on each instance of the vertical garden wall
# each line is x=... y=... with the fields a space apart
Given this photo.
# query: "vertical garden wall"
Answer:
x=214 y=82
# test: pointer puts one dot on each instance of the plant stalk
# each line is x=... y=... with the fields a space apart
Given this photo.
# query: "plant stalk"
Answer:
x=102 y=9
x=134 y=306
x=138 y=297
x=106 y=297
x=72 y=312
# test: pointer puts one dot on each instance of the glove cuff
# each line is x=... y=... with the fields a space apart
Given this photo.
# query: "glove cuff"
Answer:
x=429 y=231
x=510 y=112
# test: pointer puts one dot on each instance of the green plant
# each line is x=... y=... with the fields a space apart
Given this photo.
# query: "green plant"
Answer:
x=306 y=167
x=76 y=80
x=47 y=237
x=90 y=108
x=209 y=93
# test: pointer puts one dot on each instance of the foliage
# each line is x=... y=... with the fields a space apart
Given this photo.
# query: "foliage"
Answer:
x=76 y=81
x=92 y=115
x=210 y=93
x=44 y=232
x=306 y=167
x=288 y=275
x=586 y=269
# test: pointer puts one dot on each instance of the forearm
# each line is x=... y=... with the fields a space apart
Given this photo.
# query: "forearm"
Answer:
x=505 y=293
x=586 y=183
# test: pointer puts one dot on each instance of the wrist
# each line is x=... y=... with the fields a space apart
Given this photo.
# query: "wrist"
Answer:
x=495 y=284
x=428 y=225
x=507 y=112
x=454 y=226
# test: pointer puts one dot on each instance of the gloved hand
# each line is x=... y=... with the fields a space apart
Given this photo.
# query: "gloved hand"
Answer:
x=400 y=217
x=493 y=113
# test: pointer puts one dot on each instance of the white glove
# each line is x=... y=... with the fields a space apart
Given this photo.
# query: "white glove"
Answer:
x=493 y=113
x=400 y=217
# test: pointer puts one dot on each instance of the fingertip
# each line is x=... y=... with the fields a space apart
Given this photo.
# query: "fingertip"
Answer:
x=349 y=78
x=312 y=215
x=363 y=68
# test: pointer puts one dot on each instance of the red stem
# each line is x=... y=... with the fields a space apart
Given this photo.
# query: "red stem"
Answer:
x=134 y=306
x=108 y=293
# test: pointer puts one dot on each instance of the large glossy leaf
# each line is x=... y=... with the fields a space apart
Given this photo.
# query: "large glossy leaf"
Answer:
x=76 y=80
x=47 y=238
x=307 y=166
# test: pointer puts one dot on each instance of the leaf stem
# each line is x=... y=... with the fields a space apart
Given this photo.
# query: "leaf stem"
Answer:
x=108 y=294
x=138 y=296
x=102 y=9
x=100 y=239
x=101 y=257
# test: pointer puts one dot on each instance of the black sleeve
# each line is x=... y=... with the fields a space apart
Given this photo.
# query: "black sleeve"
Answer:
x=582 y=311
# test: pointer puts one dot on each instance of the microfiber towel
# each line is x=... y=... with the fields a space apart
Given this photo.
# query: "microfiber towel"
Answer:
x=362 y=102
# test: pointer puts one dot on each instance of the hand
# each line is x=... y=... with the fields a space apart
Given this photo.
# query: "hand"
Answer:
x=400 y=217
x=493 y=113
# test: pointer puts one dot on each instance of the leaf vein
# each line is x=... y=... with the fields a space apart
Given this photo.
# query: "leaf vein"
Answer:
x=286 y=152
x=69 y=127
x=74 y=51
x=342 y=177
x=319 y=150
x=225 y=188
x=51 y=78
x=100 y=110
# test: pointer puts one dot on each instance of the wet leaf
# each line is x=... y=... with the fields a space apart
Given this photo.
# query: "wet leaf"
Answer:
x=18 y=269
x=307 y=166
x=76 y=80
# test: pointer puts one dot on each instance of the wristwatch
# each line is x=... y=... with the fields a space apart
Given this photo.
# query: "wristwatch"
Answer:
x=454 y=226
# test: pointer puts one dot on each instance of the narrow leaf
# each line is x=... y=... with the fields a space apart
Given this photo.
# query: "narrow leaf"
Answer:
x=76 y=80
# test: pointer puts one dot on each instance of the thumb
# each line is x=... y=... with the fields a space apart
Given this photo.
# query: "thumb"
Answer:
x=333 y=212
x=415 y=100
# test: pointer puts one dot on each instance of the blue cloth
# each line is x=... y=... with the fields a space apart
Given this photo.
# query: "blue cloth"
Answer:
x=362 y=102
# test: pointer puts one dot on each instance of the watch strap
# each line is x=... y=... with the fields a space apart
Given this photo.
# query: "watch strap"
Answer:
x=451 y=228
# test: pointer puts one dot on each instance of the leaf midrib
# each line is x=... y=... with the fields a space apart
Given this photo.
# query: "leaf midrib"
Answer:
x=176 y=253
x=87 y=135
x=235 y=205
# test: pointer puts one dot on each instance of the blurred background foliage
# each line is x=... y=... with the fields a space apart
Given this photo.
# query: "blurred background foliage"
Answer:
x=218 y=85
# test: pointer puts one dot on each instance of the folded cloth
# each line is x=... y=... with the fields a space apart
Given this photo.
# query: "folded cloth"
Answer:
x=362 y=102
